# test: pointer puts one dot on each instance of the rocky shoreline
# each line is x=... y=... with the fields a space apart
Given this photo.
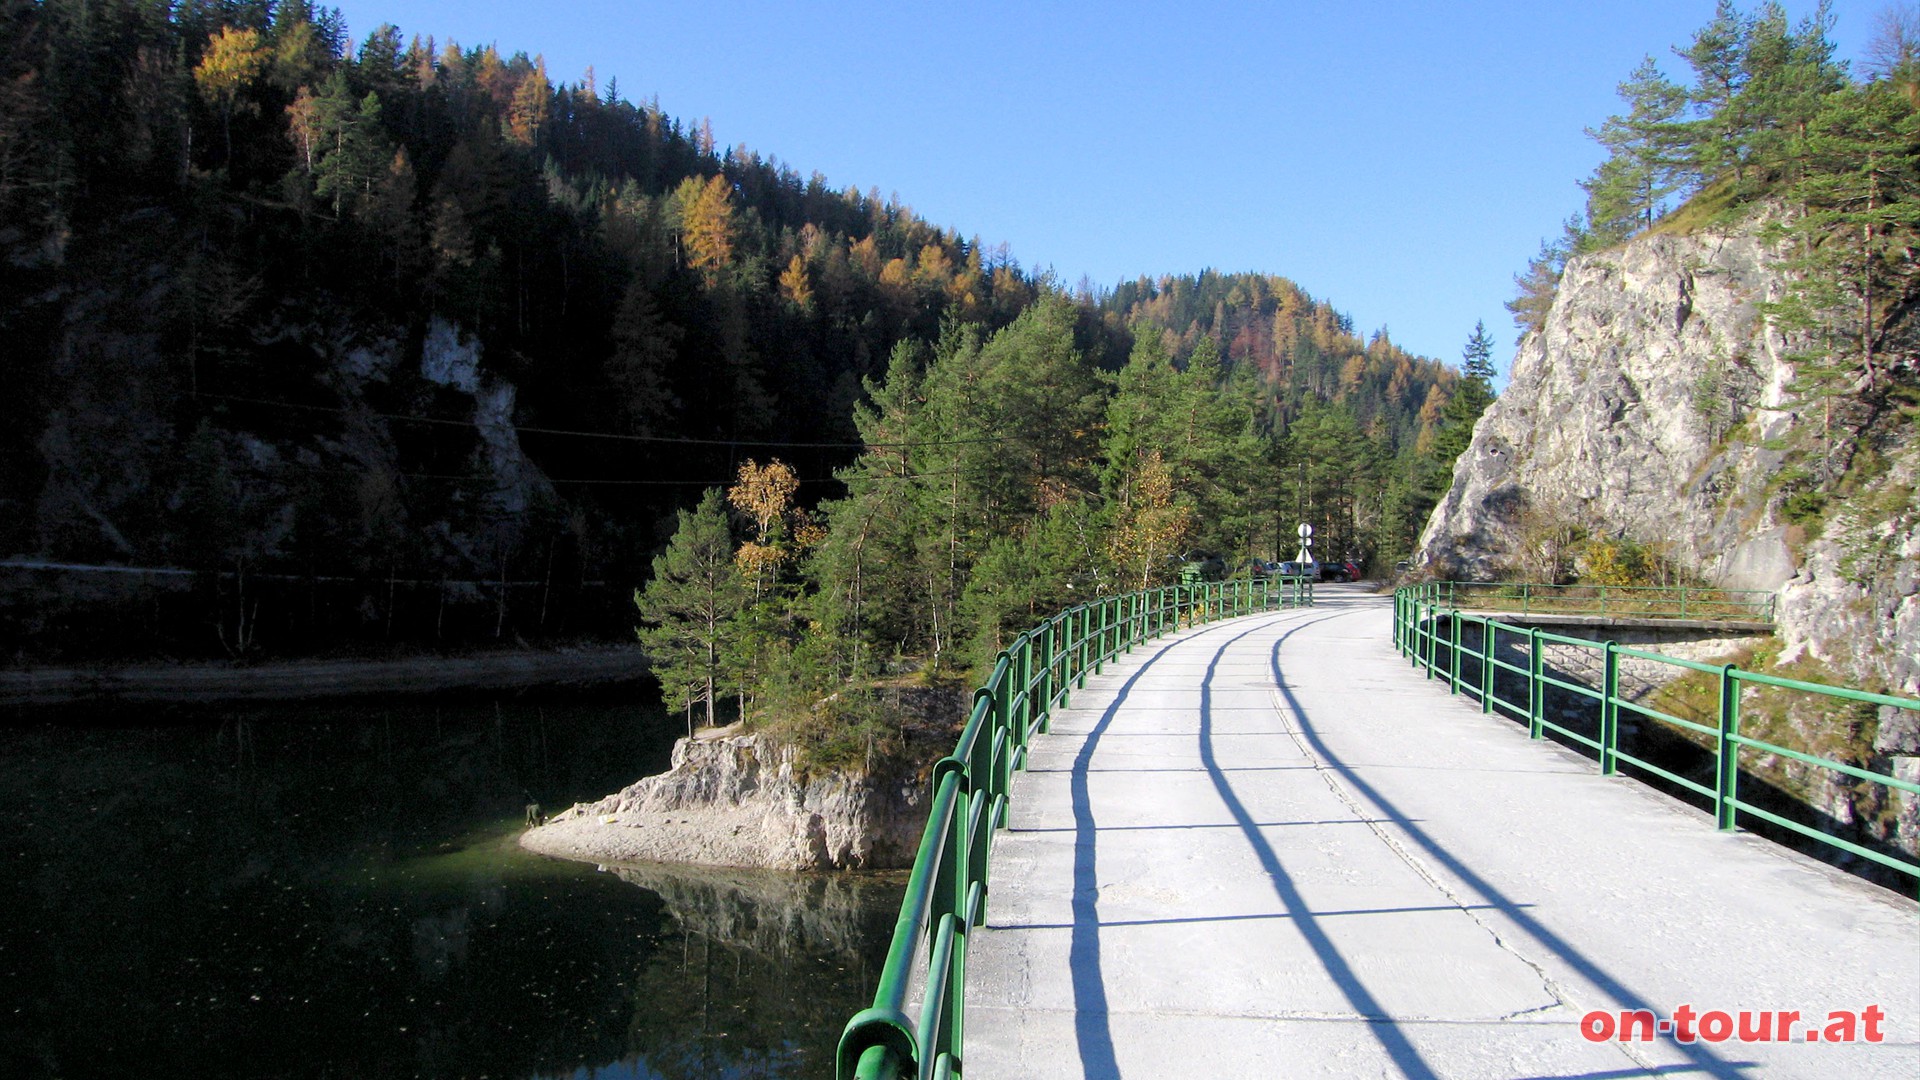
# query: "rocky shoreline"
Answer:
x=737 y=799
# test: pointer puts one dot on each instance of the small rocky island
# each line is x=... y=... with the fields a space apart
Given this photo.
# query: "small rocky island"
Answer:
x=740 y=798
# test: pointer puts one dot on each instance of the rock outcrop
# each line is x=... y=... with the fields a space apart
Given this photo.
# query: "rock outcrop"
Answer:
x=741 y=800
x=1657 y=404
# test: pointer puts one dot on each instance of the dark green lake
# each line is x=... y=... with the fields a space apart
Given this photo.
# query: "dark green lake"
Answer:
x=334 y=891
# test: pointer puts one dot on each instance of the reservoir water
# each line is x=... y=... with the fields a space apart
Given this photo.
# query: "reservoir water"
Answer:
x=334 y=891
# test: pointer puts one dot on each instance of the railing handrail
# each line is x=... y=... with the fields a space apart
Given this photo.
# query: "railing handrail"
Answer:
x=1700 y=602
x=947 y=889
x=1427 y=620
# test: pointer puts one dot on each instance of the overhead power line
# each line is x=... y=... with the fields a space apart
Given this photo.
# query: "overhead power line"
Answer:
x=663 y=439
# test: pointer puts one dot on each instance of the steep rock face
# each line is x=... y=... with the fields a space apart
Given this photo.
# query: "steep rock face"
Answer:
x=1655 y=405
x=1600 y=421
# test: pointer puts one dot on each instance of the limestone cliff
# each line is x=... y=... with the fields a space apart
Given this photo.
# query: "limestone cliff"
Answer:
x=1657 y=404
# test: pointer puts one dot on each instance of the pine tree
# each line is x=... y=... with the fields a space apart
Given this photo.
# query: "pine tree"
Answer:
x=1860 y=194
x=1715 y=141
x=1643 y=167
x=354 y=149
x=687 y=610
x=1537 y=286
x=1790 y=72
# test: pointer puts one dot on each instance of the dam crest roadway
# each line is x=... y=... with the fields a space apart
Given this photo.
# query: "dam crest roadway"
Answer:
x=1266 y=846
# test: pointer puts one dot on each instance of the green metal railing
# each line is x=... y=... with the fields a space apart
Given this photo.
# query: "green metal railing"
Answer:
x=1615 y=601
x=1437 y=636
x=947 y=890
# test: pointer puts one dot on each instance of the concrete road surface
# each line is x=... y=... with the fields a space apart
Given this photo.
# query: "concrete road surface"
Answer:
x=1269 y=848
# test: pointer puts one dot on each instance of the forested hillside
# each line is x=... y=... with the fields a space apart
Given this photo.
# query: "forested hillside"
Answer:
x=314 y=344
x=1366 y=432
x=274 y=307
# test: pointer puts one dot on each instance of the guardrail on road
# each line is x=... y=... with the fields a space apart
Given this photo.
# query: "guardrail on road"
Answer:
x=1430 y=630
x=947 y=890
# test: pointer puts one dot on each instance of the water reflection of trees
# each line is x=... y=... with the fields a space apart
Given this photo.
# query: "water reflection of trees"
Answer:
x=769 y=967
x=319 y=905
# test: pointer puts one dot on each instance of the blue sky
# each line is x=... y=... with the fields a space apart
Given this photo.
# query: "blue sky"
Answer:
x=1402 y=160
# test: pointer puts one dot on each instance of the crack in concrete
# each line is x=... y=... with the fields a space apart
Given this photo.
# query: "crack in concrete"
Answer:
x=1561 y=999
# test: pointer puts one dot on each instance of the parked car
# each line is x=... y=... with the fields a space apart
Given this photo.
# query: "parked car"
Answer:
x=1335 y=571
x=1299 y=569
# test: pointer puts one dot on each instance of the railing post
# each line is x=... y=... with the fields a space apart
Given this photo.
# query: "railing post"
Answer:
x=1603 y=599
x=1104 y=645
x=1026 y=687
x=1526 y=598
x=1610 y=711
x=1046 y=678
x=1430 y=652
x=1683 y=601
x=1727 y=755
x=1453 y=651
x=1487 y=642
x=1003 y=721
x=1080 y=646
x=1536 y=690
x=1110 y=628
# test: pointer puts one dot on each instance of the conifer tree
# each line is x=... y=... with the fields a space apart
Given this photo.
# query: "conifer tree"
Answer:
x=645 y=349
x=687 y=610
x=1860 y=194
x=1477 y=358
x=1643 y=168
x=1714 y=142
x=706 y=221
